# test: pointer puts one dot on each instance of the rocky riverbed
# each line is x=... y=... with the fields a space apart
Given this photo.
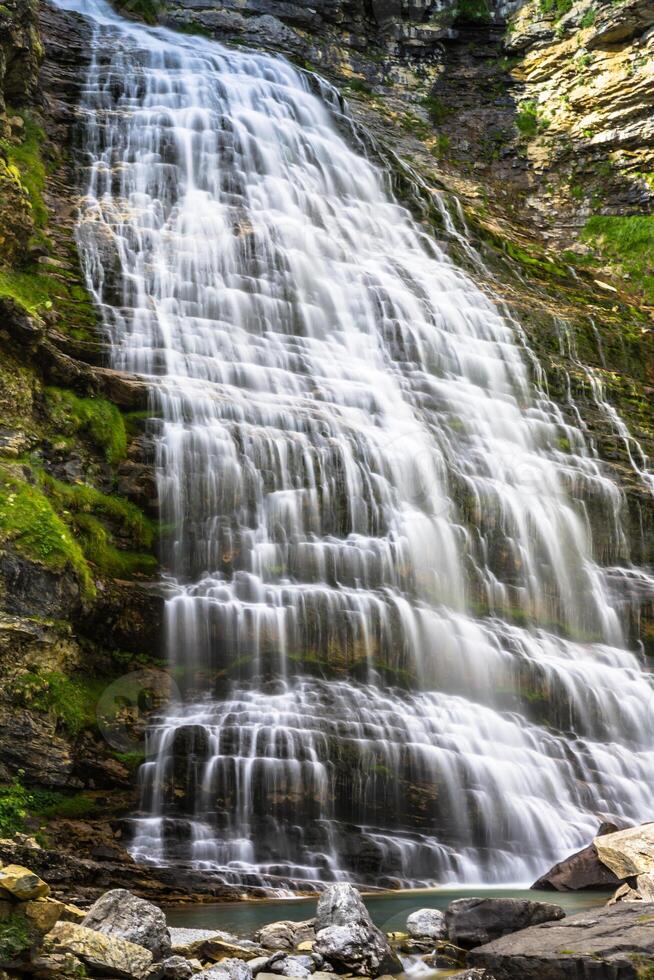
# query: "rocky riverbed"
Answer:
x=43 y=935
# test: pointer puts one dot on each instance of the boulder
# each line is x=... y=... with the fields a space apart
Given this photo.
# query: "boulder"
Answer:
x=43 y=913
x=346 y=936
x=186 y=942
x=426 y=924
x=580 y=870
x=176 y=968
x=22 y=883
x=627 y=852
x=102 y=955
x=227 y=969
x=609 y=943
x=291 y=966
x=286 y=934
x=475 y=921
x=121 y=914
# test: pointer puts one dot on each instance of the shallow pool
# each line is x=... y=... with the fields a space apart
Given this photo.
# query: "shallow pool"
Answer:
x=389 y=910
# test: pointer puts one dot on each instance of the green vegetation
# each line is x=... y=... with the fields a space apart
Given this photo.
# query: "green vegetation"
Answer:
x=15 y=937
x=72 y=702
x=147 y=10
x=438 y=111
x=17 y=804
x=96 y=417
x=475 y=11
x=29 y=521
x=528 y=120
x=589 y=18
x=556 y=7
x=83 y=499
x=627 y=243
x=14 y=805
x=26 y=157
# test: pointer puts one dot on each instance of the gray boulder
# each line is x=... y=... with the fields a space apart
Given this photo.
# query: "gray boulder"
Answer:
x=228 y=969
x=580 y=870
x=612 y=943
x=426 y=924
x=176 y=968
x=291 y=966
x=120 y=914
x=286 y=934
x=475 y=921
x=346 y=936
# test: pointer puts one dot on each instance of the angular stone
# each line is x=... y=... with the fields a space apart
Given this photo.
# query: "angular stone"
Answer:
x=286 y=934
x=22 y=883
x=176 y=968
x=215 y=948
x=121 y=914
x=227 y=970
x=426 y=924
x=48 y=965
x=346 y=936
x=641 y=890
x=580 y=870
x=602 y=944
x=475 y=921
x=101 y=954
x=43 y=913
x=627 y=852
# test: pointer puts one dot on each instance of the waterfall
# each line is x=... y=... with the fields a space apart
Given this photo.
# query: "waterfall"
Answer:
x=400 y=652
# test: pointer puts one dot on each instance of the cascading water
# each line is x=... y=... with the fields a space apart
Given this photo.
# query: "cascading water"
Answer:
x=400 y=656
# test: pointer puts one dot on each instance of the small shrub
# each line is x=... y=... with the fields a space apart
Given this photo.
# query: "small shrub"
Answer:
x=15 y=937
x=438 y=111
x=527 y=119
x=474 y=11
x=14 y=806
x=556 y=7
x=589 y=18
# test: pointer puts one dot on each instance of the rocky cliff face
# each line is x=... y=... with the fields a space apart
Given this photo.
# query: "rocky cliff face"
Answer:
x=77 y=497
x=537 y=116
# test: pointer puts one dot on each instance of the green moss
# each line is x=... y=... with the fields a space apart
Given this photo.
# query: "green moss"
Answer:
x=628 y=243
x=96 y=417
x=15 y=937
x=99 y=550
x=51 y=805
x=147 y=10
x=72 y=702
x=29 y=521
x=131 y=759
x=83 y=499
x=26 y=157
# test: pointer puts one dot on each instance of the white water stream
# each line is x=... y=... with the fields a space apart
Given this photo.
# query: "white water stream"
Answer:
x=400 y=655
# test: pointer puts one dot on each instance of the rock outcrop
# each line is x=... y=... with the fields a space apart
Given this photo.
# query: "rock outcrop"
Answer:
x=628 y=852
x=475 y=921
x=607 y=943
